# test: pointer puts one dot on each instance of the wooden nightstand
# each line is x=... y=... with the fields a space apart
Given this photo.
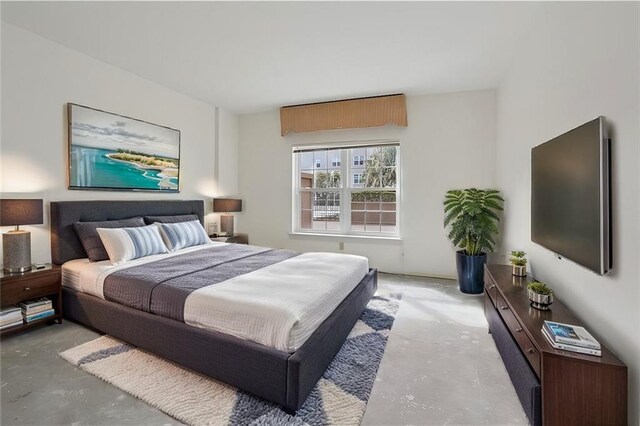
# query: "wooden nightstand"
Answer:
x=236 y=239
x=16 y=288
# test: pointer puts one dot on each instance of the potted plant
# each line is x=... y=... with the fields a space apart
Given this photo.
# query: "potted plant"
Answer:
x=472 y=217
x=540 y=295
x=518 y=263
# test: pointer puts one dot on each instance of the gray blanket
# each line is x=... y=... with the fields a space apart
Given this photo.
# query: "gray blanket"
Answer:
x=162 y=287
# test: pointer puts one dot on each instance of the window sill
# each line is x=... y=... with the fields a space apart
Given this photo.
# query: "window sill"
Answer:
x=345 y=236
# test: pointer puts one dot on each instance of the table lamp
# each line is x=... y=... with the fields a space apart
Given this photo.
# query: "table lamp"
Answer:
x=16 y=244
x=225 y=206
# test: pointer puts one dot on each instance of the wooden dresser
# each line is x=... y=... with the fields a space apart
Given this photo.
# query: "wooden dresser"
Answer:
x=560 y=387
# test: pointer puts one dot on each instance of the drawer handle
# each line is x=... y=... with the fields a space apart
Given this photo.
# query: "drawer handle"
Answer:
x=493 y=286
x=531 y=350
x=504 y=307
x=518 y=330
x=26 y=289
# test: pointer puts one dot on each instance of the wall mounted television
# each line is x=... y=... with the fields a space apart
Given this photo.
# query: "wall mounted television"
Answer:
x=570 y=196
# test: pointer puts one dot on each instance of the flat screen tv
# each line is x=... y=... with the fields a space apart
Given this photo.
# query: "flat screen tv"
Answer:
x=570 y=204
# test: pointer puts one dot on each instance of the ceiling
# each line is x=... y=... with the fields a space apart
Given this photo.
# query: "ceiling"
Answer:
x=252 y=56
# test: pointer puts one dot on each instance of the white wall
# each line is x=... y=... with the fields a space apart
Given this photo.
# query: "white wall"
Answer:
x=581 y=61
x=39 y=77
x=227 y=160
x=449 y=143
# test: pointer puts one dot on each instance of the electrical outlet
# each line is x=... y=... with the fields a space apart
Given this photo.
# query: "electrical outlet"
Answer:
x=341 y=245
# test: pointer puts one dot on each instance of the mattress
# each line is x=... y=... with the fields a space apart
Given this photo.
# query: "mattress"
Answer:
x=273 y=297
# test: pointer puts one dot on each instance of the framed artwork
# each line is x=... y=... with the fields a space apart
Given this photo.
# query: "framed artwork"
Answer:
x=109 y=151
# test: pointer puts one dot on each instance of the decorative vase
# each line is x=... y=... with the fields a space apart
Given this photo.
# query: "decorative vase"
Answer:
x=519 y=271
x=540 y=301
x=470 y=272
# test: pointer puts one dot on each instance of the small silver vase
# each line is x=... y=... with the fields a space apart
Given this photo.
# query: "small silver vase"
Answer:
x=519 y=271
x=540 y=301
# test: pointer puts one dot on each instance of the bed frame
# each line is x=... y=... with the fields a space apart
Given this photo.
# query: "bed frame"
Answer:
x=283 y=378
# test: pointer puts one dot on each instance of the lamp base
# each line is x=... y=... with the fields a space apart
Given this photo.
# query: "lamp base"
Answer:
x=17 y=270
x=226 y=225
x=16 y=251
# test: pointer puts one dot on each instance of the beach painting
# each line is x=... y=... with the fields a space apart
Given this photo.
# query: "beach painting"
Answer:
x=108 y=151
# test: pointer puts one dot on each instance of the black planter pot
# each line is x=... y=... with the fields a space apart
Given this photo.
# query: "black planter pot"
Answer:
x=470 y=272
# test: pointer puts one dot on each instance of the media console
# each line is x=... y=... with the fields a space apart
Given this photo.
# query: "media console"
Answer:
x=555 y=387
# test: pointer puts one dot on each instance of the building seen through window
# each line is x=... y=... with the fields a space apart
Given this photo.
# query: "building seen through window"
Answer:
x=365 y=203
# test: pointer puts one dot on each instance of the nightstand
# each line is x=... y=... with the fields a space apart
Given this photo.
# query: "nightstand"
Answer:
x=236 y=239
x=16 y=288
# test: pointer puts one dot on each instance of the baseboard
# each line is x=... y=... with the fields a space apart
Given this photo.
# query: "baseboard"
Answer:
x=422 y=275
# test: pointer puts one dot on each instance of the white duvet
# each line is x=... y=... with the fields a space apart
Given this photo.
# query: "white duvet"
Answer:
x=279 y=306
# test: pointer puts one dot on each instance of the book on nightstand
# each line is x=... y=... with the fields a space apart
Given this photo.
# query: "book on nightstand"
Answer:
x=35 y=306
x=11 y=324
x=36 y=309
x=10 y=316
x=39 y=315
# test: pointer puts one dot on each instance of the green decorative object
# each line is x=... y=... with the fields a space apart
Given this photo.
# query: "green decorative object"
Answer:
x=518 y=263
x=540 y=295
x=472 y=217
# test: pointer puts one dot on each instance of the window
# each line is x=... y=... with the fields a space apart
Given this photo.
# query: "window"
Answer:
x=366 y=204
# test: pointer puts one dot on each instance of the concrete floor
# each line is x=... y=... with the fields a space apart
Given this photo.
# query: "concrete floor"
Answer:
x=440 y=367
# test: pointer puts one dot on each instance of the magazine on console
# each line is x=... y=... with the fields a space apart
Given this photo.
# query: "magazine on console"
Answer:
x=572 y=348
x=571 y=335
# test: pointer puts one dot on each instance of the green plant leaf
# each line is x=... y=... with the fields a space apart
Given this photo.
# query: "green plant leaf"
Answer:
x=472 y=217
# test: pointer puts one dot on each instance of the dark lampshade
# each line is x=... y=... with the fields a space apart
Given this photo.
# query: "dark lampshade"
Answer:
x=227 y=205
x=15 y=212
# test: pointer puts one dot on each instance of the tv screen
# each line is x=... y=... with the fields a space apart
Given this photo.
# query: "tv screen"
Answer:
x=570 y=196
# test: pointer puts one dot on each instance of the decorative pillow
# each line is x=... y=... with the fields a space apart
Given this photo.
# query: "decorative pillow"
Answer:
x=170 y=219
x=125 y=244
x=90 y=239
x=184 y=234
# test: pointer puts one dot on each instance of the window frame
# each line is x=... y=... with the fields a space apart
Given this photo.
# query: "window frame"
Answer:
x=345 y=191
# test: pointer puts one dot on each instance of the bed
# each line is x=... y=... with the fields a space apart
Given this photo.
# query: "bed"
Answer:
x=283 y=373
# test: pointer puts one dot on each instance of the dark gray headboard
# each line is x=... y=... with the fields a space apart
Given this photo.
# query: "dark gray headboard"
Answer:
x=65 y=244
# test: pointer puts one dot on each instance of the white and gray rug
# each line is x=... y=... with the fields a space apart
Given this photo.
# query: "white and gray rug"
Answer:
x=339 y=398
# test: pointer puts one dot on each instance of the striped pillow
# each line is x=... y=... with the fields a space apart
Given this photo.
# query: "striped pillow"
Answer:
x=90 y=239
x=184 y=234
x=125 y=244
x=170 y=219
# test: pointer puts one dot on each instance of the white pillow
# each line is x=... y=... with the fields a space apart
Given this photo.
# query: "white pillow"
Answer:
x=183 y=234
x=123 y=244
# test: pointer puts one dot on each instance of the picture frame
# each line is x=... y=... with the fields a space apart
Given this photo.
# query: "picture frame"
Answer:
x=114 y=152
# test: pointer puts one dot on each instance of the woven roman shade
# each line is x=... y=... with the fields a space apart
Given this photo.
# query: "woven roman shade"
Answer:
x=348 y=114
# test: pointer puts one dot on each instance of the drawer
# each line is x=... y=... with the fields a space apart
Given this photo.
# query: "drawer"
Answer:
x=490 y=288
x=488 y=304
x=520 y=336
x=16 y=290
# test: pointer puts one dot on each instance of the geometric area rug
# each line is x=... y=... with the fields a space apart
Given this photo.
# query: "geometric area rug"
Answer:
x=339 y=398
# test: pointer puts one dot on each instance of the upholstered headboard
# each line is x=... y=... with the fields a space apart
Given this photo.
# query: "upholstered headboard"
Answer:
x=65 y=244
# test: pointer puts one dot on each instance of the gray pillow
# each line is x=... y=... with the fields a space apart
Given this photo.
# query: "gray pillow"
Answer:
x=90 y=239
x=171 y=219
